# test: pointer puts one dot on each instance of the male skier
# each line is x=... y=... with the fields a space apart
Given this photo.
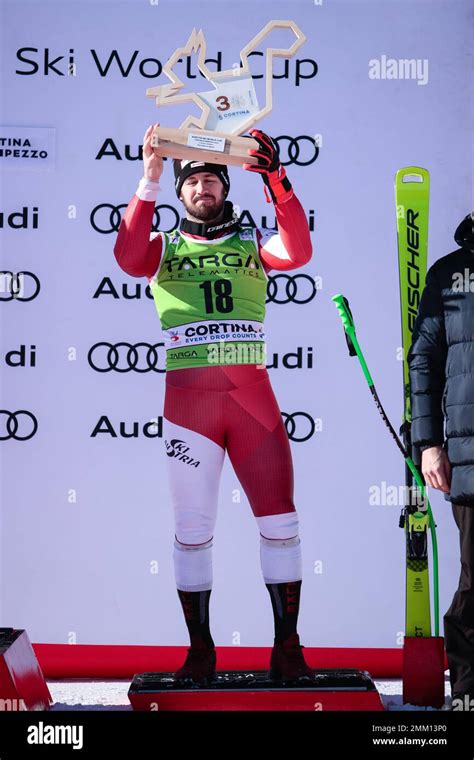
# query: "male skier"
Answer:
x=209 y=282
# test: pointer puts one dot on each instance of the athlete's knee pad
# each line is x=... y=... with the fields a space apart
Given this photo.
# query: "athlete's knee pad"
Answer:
x=280 y=548
x=193 y=566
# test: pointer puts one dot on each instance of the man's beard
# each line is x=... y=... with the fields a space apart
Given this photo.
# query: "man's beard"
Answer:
x=205 y=212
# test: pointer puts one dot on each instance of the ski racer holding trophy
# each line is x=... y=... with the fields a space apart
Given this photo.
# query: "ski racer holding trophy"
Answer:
x=209 y=282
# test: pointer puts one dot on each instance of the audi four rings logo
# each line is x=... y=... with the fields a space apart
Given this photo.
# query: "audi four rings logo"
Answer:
x=20 y=425
x=18 y=286
x=106 y=218
x=105 y=357
x=301 y=150
x=301 y=431
x=298 y=288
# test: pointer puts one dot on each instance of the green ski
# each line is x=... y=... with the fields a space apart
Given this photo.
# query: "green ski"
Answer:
x=412 y=189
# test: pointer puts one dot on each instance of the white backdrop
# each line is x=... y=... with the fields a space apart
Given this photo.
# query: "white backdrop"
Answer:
x=86 y=524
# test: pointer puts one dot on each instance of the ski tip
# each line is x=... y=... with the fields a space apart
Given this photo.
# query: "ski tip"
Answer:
x=412 y=175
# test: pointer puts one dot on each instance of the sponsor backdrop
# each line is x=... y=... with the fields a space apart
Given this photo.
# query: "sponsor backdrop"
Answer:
x=86 y=522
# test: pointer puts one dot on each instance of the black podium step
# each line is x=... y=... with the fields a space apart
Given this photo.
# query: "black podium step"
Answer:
x=341 y=689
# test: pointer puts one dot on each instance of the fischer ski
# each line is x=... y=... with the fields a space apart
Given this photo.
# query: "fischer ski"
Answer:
x=412 y=190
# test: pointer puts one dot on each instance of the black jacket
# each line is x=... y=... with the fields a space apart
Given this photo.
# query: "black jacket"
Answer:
x=441 y=363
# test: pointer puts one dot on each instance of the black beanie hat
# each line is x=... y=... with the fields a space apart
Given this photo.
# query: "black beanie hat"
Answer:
x=464 y=235
x=184 y=167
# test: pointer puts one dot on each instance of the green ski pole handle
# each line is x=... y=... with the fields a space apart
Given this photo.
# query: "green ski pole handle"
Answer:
x=345 y=313
x=342 y=305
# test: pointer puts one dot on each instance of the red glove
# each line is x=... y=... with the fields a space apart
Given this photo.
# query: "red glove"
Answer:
x=270 y=167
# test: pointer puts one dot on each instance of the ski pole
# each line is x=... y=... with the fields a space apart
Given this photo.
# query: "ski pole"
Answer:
x=342 y=305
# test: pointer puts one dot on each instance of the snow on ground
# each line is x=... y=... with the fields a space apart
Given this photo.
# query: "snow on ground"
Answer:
x=83 y=694
x=391 y=692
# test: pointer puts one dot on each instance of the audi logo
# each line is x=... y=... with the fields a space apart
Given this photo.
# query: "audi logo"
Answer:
x=13 y=286
x=305 y=427
x=105 y=357
x=303 y=144
x=105 y=218
x=298 y=288
x=12 y=422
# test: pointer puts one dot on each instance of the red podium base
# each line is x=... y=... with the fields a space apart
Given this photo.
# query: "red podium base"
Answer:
x=344 y=689
x=22 y=684
x=423 y=671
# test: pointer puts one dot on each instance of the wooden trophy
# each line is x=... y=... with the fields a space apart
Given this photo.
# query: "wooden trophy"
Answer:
x=227 y=111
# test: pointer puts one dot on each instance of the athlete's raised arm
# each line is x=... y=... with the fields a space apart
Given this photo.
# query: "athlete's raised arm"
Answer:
x=137 y=250
x=291 y=246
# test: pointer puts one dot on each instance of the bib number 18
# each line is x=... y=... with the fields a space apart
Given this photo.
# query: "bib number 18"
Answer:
x=217 y=296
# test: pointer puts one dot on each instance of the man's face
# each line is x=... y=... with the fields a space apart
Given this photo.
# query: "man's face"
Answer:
x=203 y=195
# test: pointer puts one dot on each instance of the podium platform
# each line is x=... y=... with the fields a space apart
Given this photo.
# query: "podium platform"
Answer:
x=328 y=689
x=22 y=683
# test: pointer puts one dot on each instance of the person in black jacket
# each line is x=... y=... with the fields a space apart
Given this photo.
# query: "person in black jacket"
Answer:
x=441 y=363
